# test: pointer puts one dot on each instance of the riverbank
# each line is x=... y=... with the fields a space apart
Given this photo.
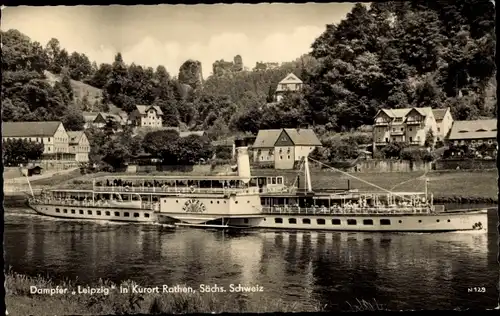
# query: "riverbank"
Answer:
x=19 y=301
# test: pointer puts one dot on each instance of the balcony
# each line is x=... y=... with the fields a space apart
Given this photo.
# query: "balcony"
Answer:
x=414 y=122
x=381 y=123
x=398 y=133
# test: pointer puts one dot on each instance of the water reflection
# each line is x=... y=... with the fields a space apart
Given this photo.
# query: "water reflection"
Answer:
x=403 y=271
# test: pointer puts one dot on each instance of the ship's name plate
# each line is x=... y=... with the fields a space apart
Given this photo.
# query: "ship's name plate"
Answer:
x=194 y=206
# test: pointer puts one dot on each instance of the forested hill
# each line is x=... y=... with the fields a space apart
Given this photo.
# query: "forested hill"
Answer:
x=392 y=54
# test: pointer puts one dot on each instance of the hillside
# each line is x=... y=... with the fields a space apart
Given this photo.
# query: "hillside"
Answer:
x=391 y=54
x=80 y=89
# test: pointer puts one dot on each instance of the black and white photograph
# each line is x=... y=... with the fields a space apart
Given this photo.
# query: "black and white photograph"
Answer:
x=250 y=158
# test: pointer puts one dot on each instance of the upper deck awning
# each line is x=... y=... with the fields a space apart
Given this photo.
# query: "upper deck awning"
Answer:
x=172 y=178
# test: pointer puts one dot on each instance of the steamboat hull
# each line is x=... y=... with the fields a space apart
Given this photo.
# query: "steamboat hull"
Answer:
x=97 y=213
x=437 y=222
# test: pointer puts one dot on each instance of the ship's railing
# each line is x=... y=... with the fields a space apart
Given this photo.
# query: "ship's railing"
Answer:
x=353 y=211
x=90 y=203
x=191 y=190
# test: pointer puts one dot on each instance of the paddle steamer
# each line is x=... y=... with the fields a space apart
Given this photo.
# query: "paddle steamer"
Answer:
x=243 y=201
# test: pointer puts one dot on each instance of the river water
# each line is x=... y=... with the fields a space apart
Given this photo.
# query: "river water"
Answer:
x=400 y=271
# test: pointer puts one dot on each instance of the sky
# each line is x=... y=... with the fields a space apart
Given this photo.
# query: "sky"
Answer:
x=168 y=35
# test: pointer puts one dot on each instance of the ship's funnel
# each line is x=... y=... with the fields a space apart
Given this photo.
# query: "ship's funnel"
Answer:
x=242 y=159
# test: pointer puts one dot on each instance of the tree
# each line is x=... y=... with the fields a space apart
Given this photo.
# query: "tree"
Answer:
x=100 y=77
x=192 y=149
x=73 y=120
x=164 y=144
x=117 y=82
x=429 y=139
x=66 y=83
x=21 y=151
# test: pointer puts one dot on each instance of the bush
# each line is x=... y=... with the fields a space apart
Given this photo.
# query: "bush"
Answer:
x=223 y=152
x=416 y=154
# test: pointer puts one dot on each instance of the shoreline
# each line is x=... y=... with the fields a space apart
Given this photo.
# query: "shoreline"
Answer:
x=109 y=300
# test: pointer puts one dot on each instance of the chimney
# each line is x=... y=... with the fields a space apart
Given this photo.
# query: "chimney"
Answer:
x=243 y=160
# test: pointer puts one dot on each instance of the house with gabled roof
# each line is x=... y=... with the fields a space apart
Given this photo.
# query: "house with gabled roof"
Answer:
x=473 y=133
x=410 y=125
x=146 y=116
x=290 y=83
x=79 y=145
x=283 y=147
x=444 y=121
x=51 y=134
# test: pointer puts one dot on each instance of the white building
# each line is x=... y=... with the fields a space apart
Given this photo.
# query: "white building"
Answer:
x=409 y=125
x=291 y=83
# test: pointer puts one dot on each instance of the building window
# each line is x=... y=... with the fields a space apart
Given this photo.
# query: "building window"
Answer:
x=320 y=221
x=292 y=221
x=385 y=222
x=439 y=129
x=117 y=213
x=278 y=220
x=411 y=139
x=351 y=222
x=386 y=140
x=98 y=212
x=136 y=214
x=288 y=156
x=73 y=212
x=281 y=157
x=335 y=221
x=108 y=213
x=126 y=214
x=80 y=211
x=367 y=222
x=89 y=212
x=411 y=129
x=306 y=221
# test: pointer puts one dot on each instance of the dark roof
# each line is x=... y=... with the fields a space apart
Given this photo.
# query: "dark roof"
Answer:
x=29 y=129
x=439 y=113
x=144 y=108
x=300 y=137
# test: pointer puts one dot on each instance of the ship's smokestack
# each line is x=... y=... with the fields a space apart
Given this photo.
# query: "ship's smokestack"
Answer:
x=243 y=159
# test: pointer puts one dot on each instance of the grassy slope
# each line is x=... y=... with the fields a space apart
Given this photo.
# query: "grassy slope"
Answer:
x=81 y=89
